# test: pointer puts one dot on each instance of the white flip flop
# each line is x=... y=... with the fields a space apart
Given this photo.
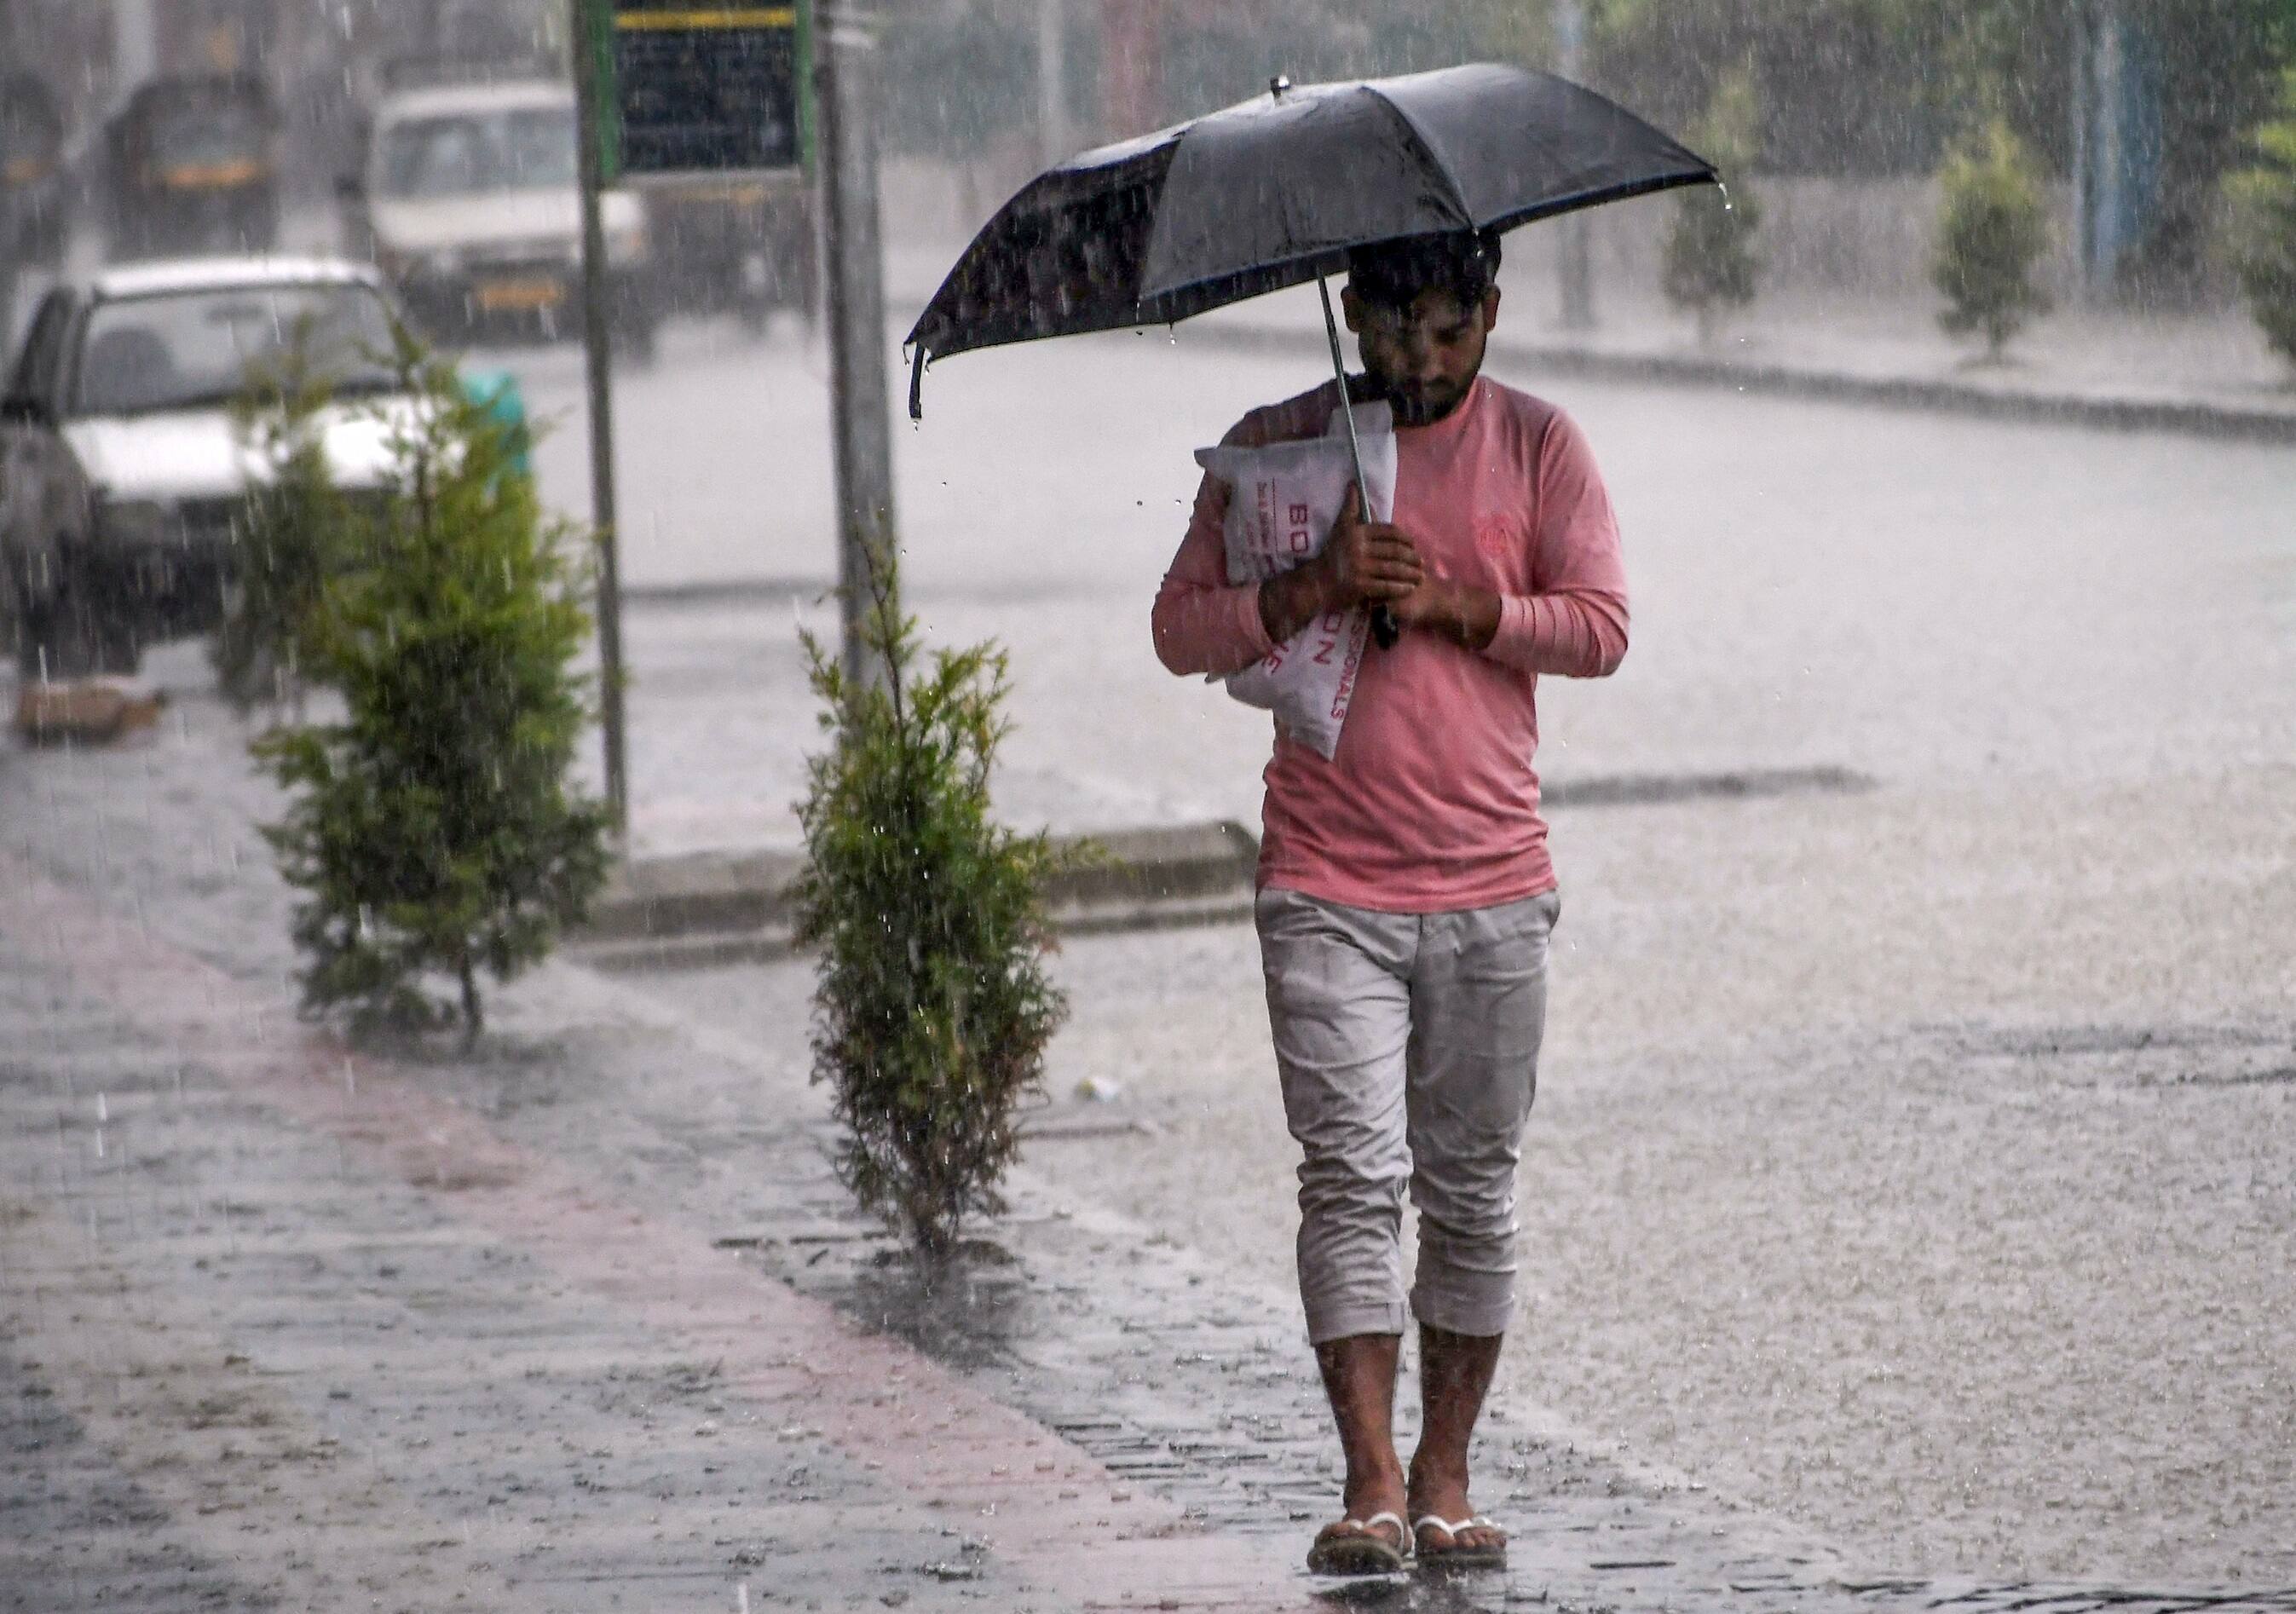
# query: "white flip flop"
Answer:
x=1359 y=1555
x=1454 y=1556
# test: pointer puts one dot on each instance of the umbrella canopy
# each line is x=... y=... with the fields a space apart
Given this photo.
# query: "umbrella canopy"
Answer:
x=1271 y=193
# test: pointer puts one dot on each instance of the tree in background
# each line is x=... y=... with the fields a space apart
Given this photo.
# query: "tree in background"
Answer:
x=1710 y=266
x=432 y=829
x=2213 y=70
x=1992 y=229
x=932 y=1010
x=2262 y=203
x=1666 y=58
x=2218 y=69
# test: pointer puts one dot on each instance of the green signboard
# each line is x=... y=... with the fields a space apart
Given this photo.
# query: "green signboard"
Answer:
x=710 y=89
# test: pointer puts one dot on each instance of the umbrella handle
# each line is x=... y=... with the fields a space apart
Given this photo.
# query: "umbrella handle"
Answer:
x=1385 y=630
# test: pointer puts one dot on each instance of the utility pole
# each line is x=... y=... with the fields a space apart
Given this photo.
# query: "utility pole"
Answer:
x=1052 y=80
x=1574 y=248
x=2082 y=104
x=2109 y=220
x=844 y=70
x=592 y=25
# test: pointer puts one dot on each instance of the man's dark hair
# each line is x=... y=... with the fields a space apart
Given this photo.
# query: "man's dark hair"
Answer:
x=1392 y=274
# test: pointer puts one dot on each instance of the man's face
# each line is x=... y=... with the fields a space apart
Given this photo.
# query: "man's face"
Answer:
x=1422 y=358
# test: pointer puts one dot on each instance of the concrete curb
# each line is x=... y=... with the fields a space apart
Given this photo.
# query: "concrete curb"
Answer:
x=698 y=909
x=2105 y=411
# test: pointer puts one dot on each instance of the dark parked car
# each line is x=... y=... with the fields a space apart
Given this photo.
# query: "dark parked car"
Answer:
x=192 y=165
x=34 y=195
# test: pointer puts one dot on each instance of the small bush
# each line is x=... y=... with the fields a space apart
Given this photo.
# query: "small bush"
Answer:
x=1993 y=228
x=932 y=1010
x=295 y=532
x=2261 y=206
x=433 y=829
x=1711 y=262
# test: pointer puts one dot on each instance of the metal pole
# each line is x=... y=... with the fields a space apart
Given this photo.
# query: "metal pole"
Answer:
x=1384 y=629
x=597 y=365
x=1339 y=369
x=1052 y=80
x=1574 y=248
x=2110 y=222
x=2082 y=100
x=860 y=423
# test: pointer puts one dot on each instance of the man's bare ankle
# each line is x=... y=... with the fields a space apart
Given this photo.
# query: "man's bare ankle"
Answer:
x=1433 y=1482
x=1376 y=1488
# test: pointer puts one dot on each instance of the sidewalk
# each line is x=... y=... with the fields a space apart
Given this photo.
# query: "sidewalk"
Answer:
x=587 y=1324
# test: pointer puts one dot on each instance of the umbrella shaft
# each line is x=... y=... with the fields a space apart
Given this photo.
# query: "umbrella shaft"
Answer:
x=1340 y=368
x=1384 y=629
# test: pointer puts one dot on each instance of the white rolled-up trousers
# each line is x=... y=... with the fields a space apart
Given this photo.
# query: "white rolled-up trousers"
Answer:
x=1407 y=1047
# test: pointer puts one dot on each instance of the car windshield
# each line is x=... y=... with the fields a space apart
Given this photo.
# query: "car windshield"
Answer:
x=211 y=133
x=192 y=349
x=519 y=151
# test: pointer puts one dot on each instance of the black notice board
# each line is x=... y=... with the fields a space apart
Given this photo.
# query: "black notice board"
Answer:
x=704 y=89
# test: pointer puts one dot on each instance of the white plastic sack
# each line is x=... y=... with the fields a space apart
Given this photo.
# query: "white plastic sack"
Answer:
x=1283 y=502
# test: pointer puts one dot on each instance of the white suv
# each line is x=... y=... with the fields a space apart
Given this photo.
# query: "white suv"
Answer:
x=472 y=206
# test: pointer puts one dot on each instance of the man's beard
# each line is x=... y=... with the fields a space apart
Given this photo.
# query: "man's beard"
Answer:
x=1413 y=407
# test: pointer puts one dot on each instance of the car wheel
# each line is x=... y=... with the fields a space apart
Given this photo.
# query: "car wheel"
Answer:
x=87 y=625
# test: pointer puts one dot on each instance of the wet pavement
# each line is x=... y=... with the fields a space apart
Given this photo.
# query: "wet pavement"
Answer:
x=1898 y=595
x=587 y=1324
x=1912 y=1161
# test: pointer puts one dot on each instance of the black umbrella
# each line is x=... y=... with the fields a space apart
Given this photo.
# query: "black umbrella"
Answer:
x=1272 y=192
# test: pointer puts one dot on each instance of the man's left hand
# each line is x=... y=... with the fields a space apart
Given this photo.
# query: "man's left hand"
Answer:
x=1464 y=614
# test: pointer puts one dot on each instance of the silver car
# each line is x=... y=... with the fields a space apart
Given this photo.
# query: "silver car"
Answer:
x=122 y=470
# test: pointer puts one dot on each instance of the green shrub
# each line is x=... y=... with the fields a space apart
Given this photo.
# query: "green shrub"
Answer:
x=932 y=1010
x=1993 y=226
x=1711 y=263
x=2261 y=206
x=294 y=532
x=433 y=829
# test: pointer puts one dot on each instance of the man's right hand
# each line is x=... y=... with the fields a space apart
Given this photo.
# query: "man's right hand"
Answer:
x=1367 y=563
x=1361 y=564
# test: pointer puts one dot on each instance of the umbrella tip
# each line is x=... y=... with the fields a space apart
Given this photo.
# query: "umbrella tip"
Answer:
x=1278 y=85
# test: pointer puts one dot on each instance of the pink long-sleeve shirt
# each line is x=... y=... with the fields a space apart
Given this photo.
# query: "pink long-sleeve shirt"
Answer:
x=1431 y=804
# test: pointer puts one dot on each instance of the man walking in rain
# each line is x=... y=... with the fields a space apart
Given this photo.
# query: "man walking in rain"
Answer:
x=1406 y=897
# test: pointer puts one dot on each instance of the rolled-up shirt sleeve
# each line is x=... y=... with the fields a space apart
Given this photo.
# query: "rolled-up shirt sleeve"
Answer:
x=1202 y=624
x=1573 y=623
